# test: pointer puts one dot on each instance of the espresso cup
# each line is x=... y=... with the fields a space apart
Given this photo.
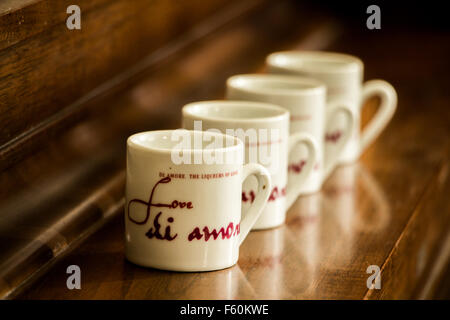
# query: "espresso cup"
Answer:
x=183 y=199
x=343 y=76
x=264 y=128
x=330 y=124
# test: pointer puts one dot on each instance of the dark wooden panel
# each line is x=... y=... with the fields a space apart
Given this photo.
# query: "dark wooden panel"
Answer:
x=23 y=19
x=47 y=71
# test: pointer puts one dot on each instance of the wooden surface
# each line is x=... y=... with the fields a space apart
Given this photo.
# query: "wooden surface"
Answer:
x=390 y=209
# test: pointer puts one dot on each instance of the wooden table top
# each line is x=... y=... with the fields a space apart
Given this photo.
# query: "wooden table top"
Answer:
x=391 y=209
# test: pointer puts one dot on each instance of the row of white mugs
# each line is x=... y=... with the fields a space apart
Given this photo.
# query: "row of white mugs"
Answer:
x=194 y=217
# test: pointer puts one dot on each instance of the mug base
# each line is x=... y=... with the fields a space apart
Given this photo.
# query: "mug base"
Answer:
x=310 y=188
x=180 y=268
x=257 y=227
x=344 y=162
x=309 y=192
x=348 y=159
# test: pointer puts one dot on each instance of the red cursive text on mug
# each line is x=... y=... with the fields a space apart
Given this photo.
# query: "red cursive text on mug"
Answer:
x=296 y=167
x=154 y=232
x=333 y=136
x=274 y=195
x=227 y=233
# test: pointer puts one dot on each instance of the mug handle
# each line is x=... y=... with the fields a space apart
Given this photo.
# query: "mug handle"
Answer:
x=311 y=144
x=384 y=114
x=264 y=188
x=333 y=108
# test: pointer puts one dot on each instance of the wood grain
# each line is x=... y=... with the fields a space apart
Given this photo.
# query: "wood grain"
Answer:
x=390 y=209
x=48 y=71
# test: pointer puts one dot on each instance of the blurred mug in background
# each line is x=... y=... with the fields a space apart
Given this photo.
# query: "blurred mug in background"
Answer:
x=343 y=76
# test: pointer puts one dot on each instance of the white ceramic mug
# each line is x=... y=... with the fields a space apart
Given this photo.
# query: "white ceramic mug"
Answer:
x=330 y=124
x=265 y=130
x=343 y=75
x=186 y=216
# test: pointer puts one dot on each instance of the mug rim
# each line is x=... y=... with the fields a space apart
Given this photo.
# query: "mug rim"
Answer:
x=316 y=86
x=189 y=111
x=132 y=143
x=351 y=63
